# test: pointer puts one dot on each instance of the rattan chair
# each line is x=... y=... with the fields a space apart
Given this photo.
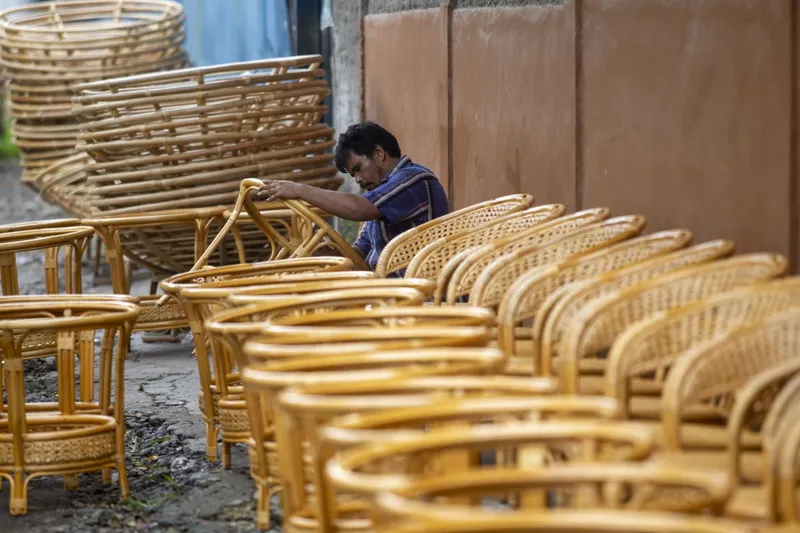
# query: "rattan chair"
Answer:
x=595 y=328
x=193 y=134
x=493 y=282
x=399 y=252
x=201 y=304
x=738 y=374
x=46 y=48
x=51 y=237
x=232 y=329
x=270 y=452
x=527 y=295
x=646 y=350
x=220 y=394
x=392 y=465
x=373 y=412
x=570 y=521
x=459 y=273
x=428 y=262
x=561 y=307
x=628 y=486
x=75 y=435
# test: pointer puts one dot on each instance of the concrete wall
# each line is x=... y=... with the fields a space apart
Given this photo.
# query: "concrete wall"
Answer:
x=681 y=110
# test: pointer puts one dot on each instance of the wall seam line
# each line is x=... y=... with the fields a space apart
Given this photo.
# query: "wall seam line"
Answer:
x=794 y=209
x=579 y=116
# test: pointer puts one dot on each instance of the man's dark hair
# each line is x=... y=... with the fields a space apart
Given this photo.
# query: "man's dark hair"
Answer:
x=361 y=139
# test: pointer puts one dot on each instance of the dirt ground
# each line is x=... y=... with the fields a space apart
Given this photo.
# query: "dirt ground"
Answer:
x=173 y=487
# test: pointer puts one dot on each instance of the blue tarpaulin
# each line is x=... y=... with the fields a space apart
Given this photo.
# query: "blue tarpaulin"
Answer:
x=224 y=31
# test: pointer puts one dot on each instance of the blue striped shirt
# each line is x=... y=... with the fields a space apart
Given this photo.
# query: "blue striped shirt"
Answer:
x=410 y=195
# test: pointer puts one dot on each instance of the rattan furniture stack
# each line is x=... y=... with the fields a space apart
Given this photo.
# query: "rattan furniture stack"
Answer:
x=46 y=48
x=187 y=138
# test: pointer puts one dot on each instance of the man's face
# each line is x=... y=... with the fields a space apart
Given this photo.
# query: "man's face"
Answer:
x=366 y=170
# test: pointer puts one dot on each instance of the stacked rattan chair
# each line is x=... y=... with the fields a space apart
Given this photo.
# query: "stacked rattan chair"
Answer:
x=46 y=48
x=338 y=420
x=187 y=138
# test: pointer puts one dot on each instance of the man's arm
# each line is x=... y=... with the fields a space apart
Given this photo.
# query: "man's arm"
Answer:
x=340 y=204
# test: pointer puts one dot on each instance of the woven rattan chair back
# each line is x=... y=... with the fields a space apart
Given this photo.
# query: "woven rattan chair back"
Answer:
x=460 y=272
x=648 y=347
x=761 y=356
x=400 y=251
x=492 y=284
x=563 y=306
x=597 y=326
x=428 y=262
x=527 y=295
x=76 y=434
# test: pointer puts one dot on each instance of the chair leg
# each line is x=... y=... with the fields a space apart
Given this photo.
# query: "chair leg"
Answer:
x=212 y=449
x=18 y=503
x=226 y=454
x=265 y=493
x=124 y=491
x=106 y=476
x=71 y=482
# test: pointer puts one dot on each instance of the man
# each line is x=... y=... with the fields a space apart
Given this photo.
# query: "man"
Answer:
x=400 y=193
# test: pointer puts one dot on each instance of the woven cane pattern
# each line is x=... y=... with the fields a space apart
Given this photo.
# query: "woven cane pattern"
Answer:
x=168 y=312
x=202 y=404
x=40 y=340
x=597 y=326
x=471 y=265
x=491 y=286
x=712 y=373
x=528 y=294
x=429 y=261
x=401 y=250
x=585 y=292
x=655 y=343
x=58 y=452
x=233 y=416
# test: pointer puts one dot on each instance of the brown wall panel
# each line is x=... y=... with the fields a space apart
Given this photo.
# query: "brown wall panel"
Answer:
x=687 y=113
x=514 y=103
x=405 y=78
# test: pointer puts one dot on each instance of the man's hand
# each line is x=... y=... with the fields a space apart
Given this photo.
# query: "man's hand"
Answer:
x=279 y=190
